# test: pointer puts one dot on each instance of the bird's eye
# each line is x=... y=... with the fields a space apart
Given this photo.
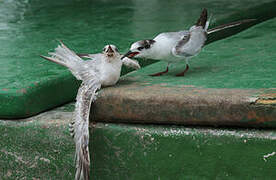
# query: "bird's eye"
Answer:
x=116 y=49
x=104 y=49
x=140 y=48
x=147 y=46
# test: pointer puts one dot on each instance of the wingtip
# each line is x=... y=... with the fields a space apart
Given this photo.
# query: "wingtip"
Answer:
x=249 y=20
x=230 y=25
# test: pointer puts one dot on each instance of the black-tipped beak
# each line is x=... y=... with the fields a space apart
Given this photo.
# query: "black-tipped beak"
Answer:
x=130 y=54
x=109 y=50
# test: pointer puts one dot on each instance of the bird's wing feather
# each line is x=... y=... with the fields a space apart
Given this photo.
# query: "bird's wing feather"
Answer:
x=130 y=63
x=86 y=95
x=177 y=50
x=86 y=71
x=229 y=25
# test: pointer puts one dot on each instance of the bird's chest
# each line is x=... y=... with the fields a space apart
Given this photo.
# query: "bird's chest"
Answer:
x=110 y=73
x=163 y=49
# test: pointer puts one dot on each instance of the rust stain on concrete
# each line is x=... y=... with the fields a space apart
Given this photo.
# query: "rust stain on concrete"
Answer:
x=266 y=101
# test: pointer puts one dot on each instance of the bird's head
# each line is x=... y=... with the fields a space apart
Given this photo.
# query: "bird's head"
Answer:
x=111 y=51
x=140 y=49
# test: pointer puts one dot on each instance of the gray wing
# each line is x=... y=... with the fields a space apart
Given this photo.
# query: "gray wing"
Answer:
x=178 y=48
x=130 y=63
x=191 y=44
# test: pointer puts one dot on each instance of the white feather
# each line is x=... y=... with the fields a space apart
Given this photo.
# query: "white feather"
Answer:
x=131 y=63
x=102 y=70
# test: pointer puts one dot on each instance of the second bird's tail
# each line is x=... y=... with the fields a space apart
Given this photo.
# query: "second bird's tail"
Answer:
x=202 y=20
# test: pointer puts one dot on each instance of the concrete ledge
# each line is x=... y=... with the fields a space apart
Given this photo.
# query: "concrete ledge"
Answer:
x=41 y=148
x=184 y=105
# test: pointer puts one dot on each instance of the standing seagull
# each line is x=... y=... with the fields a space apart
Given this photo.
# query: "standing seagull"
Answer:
x=103 y=70
x=177 y=46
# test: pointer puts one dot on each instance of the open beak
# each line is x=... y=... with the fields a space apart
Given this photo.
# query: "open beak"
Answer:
x=130 y=54
x=110 y=50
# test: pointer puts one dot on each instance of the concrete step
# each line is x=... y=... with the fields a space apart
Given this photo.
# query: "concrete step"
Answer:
x=41 y=148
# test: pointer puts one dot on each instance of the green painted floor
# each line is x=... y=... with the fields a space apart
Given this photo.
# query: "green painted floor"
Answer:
x=29 y=85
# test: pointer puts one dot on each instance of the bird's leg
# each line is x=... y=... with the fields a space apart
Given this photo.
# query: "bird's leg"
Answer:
x=182 y=73
x=161 y=73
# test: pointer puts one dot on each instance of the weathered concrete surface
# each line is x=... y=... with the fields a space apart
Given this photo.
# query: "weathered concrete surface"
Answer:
x=231 y=82
x=29 y=84
x=38 y=148
x=136 y=103
x=174 y=152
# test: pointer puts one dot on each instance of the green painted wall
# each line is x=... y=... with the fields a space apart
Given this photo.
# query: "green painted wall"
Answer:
x=41 y=147
x=176 y=152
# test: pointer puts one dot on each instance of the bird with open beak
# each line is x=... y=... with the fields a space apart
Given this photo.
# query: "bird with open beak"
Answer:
x=173 y=47
x=103 y=69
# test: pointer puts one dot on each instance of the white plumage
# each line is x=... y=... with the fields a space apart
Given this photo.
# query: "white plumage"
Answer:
x=102 y=69
x=177 y=46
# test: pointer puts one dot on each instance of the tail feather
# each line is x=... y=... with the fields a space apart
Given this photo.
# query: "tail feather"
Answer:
x=208 y=23
x=202 y=19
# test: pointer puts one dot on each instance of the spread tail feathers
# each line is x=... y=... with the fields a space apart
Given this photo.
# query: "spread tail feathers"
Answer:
x=202 y=19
